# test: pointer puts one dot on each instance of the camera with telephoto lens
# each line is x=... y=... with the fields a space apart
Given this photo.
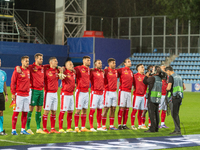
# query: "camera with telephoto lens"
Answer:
x=151 y=72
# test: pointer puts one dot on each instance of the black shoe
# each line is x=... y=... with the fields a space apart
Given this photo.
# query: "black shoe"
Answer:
x=120 y=127
x=148 y=131
x=3 y=133
x=176 y=133
x=125 y=127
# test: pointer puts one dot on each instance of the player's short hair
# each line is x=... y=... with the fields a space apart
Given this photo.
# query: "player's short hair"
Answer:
x=149 y=67
x=51 y=58
x=126 y=60
x=85 y=57
x=138 y=65
x=67 y=61
x=97 y=60
x=24 y=57
x=169 y=68
x=37 y=55
x=110 y=60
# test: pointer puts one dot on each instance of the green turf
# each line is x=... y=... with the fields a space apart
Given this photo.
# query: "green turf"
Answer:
x=188 y=116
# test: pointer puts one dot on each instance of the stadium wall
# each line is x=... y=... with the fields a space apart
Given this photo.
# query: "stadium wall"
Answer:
x=99 y=48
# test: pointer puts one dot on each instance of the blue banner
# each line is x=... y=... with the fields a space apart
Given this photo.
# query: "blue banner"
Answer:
x=196 y=87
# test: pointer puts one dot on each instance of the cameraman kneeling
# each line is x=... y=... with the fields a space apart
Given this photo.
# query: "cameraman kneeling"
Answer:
x=154 y=97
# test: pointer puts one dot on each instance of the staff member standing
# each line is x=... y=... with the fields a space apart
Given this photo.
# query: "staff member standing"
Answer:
x=154 y=97
x=175 y=89
x=3 y=88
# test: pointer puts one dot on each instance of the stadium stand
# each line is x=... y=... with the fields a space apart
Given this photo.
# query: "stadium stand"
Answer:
x=188 y=66
x=147 y=59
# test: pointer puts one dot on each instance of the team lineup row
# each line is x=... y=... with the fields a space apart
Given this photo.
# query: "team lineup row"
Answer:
x=103 y=94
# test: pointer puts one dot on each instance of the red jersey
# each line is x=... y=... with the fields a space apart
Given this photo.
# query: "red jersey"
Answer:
x=140 y=87
x=37 y=76
x=126 y=79
x=51 y=80
x=20 y=82
x=110 y=79
x=164 y=86
x=68 y=83
x=82 y=78
x=97 y=81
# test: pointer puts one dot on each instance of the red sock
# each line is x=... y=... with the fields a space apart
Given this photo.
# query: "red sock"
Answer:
x=99 y=116
x=125 y=116
x=139 y=117
x=120 y=113
x=61 y=115
x=83 y=120
x=91 y=117
x=24 y=119
x=76 y=120
x=53 y=121
x=112 y=121
x=149 y=121
x=133 y=117
x=143 y=120
x=163 y=115
x=69 y=119
x=14 y=119
x=44 y=121
x=104 y=121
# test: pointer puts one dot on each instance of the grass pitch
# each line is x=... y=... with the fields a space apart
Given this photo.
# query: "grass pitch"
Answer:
x=188 y=116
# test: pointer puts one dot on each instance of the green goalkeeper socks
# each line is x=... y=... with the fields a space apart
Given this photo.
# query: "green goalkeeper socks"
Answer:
x=38 y=119
x=29 y=119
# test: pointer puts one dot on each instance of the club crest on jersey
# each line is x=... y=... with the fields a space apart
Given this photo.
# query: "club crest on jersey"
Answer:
x=126 y=72
x=22 y=74
x=35 y=69
x=139 y=78
x=50 y=74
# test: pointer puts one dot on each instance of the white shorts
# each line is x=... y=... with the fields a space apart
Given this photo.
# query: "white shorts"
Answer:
x=110 y=99
x=29 y=97
x=96 y=101
x=162 y=105
x=50 y=101
x=66 y=102
x=138 y=102
x=145 y=103
x=124 y=99
x=22 y=103
x=81 y=99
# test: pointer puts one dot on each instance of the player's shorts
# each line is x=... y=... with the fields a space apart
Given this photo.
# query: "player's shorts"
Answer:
x=81 y=99
x=162 y=105
x=110 y=99
x=66 y=102
x=145 y=103
x=50 y=101
x=37 y=97
x=138 y=102
x=96 y=101
x=2 y=102
x=124 y=99
x=22 y=104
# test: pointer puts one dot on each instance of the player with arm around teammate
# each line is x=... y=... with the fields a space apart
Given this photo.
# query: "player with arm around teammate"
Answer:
x=50 y=95
x=124 y=99
x=82 y=94
x=110 y=95
x=96 y=96
x=20 y=86
x=67 y=97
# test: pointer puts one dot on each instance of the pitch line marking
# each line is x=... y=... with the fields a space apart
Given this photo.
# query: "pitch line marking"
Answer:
x=16 y=142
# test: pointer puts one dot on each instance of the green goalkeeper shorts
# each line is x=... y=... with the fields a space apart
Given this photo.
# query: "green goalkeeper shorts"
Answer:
x=37 y=97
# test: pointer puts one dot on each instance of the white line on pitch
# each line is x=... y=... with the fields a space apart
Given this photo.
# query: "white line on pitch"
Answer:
x=16 y=142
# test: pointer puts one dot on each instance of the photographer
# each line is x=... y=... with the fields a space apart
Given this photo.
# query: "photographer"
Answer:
x=175 y=89
x=154 y=97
